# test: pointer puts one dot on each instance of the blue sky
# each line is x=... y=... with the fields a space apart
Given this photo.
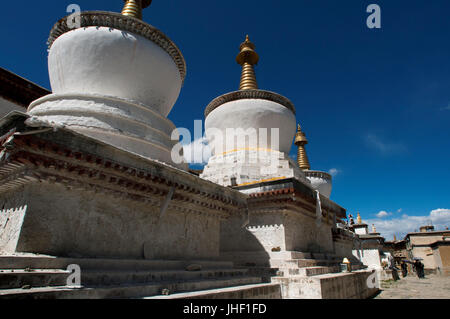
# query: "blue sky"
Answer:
x=375 y=104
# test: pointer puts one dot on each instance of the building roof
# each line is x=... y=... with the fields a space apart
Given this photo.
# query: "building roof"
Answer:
x=430 y=233
x=18 y=90
x=289 y=189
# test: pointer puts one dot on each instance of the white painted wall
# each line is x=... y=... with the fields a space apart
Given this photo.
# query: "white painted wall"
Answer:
x=369 y=257
x=110 y=62
x=362 y=230
x=251 y=114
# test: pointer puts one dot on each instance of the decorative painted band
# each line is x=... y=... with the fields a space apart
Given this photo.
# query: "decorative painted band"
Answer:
x=249 y=94
x=318 y=174
x=124 y=23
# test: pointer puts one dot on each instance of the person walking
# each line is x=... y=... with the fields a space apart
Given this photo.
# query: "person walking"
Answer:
x=393 y=268
x=419 y=268
x=404 y=269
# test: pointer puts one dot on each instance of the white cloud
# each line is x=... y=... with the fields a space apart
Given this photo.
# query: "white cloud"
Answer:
x=382 y=214
x=439 y=218
x=334 y=172
x=197 y=152
x=385 y=148
x=446 y=108
x=399 y=210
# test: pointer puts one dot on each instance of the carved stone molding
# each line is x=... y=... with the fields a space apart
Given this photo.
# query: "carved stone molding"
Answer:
x=34 y=160
x=249 y=94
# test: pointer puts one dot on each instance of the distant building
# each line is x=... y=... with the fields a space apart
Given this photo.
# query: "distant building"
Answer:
x=441 y=254
x=397 y=248
x=431 y=246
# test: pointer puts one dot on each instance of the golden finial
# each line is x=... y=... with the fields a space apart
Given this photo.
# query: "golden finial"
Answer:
x=302 y=157
x=247 y=58
x=395 y=238
x=133 y=8
x=359 y=219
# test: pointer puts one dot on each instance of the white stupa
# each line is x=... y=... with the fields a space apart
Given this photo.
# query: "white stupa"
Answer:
x=115 y=78
x=264 y=121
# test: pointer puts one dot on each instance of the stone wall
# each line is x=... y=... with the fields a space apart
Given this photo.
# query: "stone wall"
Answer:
x=50 y=219
x=274 y=231
x=257 y=233
x=331 y=286
x=369 y=257
x=426 y=253
x=345 y=242
x=304 y=234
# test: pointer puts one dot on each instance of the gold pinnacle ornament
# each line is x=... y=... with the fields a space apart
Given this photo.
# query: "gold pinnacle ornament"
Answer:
x=247 y=58
x=133 y=8
x=302 y=157
x=359 y=219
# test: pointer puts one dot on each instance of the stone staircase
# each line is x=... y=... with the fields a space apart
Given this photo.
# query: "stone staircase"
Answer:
x=291 y=262
x=307 y=275
x=310 y=264
x=43 y=277
x=319 y=276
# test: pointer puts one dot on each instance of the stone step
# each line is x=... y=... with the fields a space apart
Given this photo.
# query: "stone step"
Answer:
x=39 y=278
x=105 y=278
x=48 y=262
x=307 y=271
x=275 y=255
x=264 y=259
x=258 y=291
x=327 y=286
x=10 y=279
x=125 y=291
x=301 y=263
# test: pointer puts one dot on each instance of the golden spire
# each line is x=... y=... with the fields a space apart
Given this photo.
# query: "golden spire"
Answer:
x=302 y=157
x=247 y=58
x=133 y=8
x=359 y=219
x=395 y=238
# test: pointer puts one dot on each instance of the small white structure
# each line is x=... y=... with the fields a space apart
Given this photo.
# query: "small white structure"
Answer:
x=370 y=248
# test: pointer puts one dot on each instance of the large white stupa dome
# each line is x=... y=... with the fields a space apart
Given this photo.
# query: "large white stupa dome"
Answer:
x=115 y=79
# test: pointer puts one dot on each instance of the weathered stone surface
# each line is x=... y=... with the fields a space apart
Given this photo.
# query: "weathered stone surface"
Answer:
x=79 y=223
x=330 y=286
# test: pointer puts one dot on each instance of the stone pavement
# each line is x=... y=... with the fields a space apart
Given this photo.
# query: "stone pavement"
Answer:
x=411 y=287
